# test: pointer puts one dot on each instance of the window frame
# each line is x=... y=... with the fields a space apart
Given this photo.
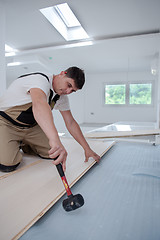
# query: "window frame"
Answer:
x=127 y=93
x=117 y=104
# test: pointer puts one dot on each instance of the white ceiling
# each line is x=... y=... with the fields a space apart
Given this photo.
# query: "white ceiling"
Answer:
x=125 y=35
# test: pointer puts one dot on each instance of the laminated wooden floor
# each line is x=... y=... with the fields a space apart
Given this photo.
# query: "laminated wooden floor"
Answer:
x=29 y=192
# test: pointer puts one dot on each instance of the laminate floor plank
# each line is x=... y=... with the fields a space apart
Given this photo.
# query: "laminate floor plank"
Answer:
x=28 y=193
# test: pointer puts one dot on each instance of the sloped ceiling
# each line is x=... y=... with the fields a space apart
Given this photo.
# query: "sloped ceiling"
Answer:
x=125 y=35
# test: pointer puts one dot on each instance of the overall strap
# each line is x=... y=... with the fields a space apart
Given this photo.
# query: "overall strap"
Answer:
x=56 y=97
x=34 y=74
x=52 y=101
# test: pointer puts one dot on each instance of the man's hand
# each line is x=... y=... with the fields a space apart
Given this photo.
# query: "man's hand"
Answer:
x=58 y=151
x=90 y=153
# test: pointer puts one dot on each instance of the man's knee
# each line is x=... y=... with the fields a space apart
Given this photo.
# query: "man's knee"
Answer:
x=9 y=161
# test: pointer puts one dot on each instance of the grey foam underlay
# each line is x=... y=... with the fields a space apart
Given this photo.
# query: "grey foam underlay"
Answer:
x=122 y=200
x=153 y=172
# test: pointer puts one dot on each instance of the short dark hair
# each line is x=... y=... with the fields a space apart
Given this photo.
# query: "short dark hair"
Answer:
x=77 y=75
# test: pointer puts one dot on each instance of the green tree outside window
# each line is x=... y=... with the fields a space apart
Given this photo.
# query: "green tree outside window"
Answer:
x=140 y=94
x=115 y=94
x=137 y=93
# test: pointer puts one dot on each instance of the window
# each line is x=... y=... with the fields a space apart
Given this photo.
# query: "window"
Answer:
x=140 y=93
x=115 y=94
x=67 y=15
x=64 y=20
x=129 y=94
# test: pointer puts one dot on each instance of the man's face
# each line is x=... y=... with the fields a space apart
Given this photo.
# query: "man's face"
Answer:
x=63 y=85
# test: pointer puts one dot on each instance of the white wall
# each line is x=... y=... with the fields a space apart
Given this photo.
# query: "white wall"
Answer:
x=96 y=112
x=2 y=49
x=158 y=91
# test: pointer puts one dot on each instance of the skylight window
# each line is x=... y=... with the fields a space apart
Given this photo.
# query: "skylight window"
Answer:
x=9 y=51
x=64 y=20
x=8 y=48
x=67 y=15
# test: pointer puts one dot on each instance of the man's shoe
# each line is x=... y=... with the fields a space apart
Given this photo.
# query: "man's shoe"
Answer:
x=4 y=168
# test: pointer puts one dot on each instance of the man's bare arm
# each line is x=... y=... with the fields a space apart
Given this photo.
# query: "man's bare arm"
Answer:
x=43 y=115
x=76 y=132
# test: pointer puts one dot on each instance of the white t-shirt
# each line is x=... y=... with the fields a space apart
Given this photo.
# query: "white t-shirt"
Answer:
x=18 y=92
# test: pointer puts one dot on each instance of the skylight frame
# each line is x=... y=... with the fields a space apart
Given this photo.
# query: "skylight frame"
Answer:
x=67 y=15
x=68 y=33
x=8 y=48
x=9 y=51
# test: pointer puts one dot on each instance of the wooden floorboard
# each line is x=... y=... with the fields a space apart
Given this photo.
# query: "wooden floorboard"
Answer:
x=118 y=134
x=32 y=190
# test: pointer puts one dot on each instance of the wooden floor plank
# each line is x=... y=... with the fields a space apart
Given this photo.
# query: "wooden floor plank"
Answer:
x=27 y=162
x=28 y=193
x=117 y=134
